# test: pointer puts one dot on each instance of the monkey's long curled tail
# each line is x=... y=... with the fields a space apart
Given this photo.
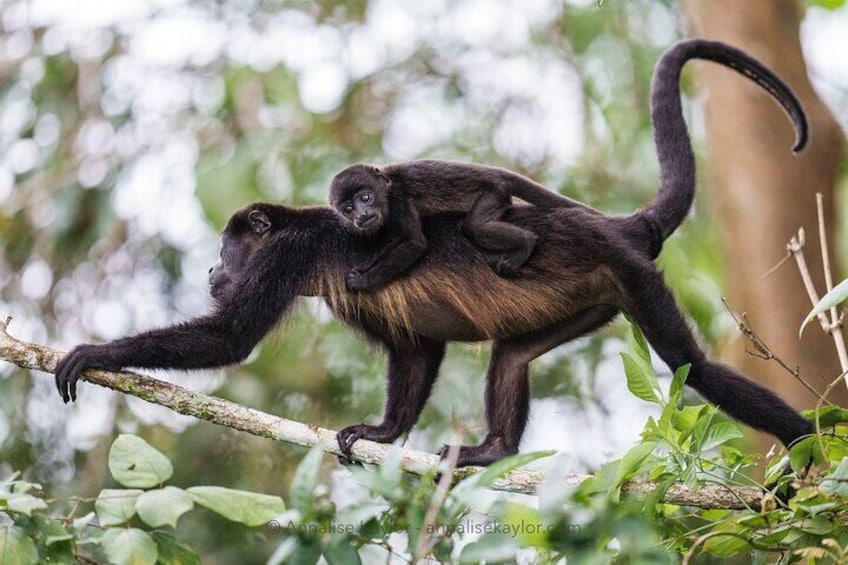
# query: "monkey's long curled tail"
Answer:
x=674 y=149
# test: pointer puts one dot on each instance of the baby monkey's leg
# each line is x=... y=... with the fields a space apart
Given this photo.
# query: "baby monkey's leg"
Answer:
x=507 y=246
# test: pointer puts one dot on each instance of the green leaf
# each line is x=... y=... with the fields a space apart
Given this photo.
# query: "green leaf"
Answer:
x=15 y=547
x=164 y=506
x=50 y=540
x=689 y=420
x=360 y=513
x=802 y=453
x=719 y=434
x=24 y=503
x=726 y=545
x=304 y=481
x=640 y=381
x=306 y=552
x=630 y=464
x=527 y=524
x=341 y=552
x=654 y=499
x=640 y=344
x=81 y=523
x=250 y=508
x=815 y=509
x=386 y=479
x=134 y=463
x=9 y=480
x=495 y=547
x=129 y=546
x=827 y=4
x=792 y=537
x=830 y=300
x=472 y=491
x=415 y=522
x=703 y=423
x=829 y=416
x=115 y=506
x=675 y=391
x=172 y=552
x=286 y=548
x=500 y=468
x=820 y=525
x=836 y=483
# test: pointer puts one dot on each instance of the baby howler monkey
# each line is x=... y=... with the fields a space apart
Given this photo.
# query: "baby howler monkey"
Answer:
x=388 y=203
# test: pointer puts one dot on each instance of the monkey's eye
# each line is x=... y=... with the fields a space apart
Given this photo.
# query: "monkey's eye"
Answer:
x=348 y=208
x=365 y=197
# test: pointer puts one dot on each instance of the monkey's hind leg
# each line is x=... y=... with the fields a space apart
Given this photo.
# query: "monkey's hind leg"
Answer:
x=507 y=246
x=508 y=388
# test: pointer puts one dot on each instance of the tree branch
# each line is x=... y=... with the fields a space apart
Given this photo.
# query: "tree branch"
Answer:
x=224 y=413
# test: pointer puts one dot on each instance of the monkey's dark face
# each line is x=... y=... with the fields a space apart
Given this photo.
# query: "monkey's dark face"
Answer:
x=360 y=194
x=239 y=240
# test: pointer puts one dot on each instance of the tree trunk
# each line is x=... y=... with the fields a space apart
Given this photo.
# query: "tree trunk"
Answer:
x=761 y=194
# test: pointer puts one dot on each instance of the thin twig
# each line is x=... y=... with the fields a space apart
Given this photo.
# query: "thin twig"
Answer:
x=764 y=352
x=779 y=264
x=835 y=318
x=826 y=392
x=427 y=542
x=796 y=248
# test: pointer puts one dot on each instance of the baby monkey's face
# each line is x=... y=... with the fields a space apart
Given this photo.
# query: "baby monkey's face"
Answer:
x=360 y=195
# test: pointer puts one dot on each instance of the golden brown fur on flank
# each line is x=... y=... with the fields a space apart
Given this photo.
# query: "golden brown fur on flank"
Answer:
x=482 y=306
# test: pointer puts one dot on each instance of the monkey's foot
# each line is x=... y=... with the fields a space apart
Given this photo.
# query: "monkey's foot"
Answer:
x=351 y=434
x=505 y=266
x=484 y=454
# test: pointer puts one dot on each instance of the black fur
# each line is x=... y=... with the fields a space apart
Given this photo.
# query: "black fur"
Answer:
x=387 y=203
x=674 y=151
x=585 y=269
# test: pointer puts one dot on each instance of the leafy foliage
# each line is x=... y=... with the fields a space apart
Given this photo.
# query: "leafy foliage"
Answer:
x=597 y=521
x=129 y=526
x=410 y=517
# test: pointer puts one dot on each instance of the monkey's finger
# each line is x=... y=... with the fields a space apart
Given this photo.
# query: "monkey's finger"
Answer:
x=78 y=366
x=66 y=378
x=81 y=366
x=72 y=385
x=57 y=376
x=349 y=440
x=340 y=438
x=346 y=440
x=347 y=462
x=62 y=370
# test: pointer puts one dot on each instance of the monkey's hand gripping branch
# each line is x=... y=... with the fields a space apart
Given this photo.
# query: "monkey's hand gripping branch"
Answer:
x=222 y=412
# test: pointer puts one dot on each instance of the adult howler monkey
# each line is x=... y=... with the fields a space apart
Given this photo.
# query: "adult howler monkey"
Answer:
x=587 y=267
x=389 y=202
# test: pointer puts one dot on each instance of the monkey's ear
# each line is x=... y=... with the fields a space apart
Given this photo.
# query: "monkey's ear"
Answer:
x=381 y=175
x=259 y=221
